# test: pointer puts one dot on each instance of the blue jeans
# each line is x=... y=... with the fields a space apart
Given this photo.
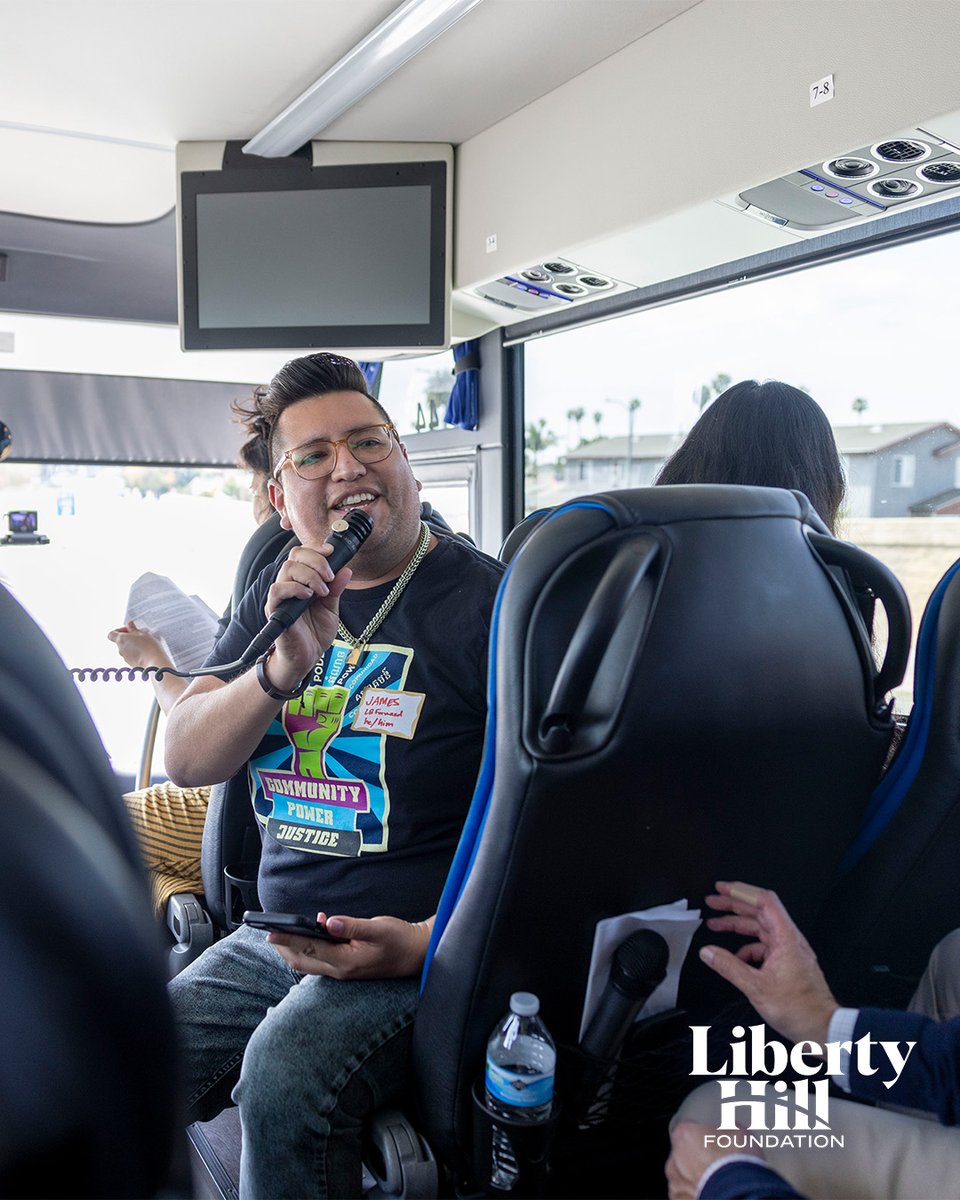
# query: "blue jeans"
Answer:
x=307 y=1059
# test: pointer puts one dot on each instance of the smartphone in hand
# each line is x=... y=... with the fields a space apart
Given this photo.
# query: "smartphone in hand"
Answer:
x=278 y=922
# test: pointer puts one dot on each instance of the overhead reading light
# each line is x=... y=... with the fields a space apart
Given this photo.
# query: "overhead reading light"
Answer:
x=408 y=30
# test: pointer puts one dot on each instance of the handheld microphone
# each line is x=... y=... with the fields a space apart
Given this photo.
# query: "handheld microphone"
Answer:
x=639 y=966
x=346 y=537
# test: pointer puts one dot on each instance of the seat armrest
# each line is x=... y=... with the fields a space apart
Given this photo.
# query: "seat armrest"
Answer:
x=397 y=1160
x=192 y=930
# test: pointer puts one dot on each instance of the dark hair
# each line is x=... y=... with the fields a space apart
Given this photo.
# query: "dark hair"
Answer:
x=767 y=435
x=254 y=453
x=299 y=379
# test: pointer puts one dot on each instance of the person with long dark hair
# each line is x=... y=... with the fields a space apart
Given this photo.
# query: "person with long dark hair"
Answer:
x=764 y=435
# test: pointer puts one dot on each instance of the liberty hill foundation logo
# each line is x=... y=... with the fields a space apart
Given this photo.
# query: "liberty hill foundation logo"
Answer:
x=764 y=1113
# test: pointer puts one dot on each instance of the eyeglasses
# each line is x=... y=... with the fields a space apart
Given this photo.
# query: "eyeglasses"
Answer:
x=317 y=459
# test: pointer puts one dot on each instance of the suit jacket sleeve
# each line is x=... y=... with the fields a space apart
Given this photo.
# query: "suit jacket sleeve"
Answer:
x=931 y=1078
x=740 y=1180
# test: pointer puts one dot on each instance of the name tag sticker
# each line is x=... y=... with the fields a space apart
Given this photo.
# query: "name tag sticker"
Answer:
x=383 y=711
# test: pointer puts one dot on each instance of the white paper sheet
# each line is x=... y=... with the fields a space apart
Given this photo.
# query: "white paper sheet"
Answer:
x=676 y=923
x=185 y=624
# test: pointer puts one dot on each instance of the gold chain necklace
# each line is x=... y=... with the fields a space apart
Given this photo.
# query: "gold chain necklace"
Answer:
x=357 y=644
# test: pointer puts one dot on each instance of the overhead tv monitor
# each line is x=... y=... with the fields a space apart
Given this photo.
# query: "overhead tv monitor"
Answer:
x=342 y=246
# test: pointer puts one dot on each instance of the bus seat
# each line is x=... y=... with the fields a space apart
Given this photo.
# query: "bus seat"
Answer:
x=725 y=722
x=435 y=520
x=267 y=542
x=691 y=697
x=38 y=705
x=897 y=895
x=520 y=532
x=82 y=991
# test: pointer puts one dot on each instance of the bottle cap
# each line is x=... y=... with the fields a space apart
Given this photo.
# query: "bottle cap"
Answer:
x=524 y=1004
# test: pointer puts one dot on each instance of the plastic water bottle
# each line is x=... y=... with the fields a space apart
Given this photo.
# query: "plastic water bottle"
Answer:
x=521 y=1060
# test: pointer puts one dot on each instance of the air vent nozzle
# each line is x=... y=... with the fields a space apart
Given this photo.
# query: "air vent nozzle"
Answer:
x=901 y=150
x=941 y=172
x=851 y=168
x=895 y=188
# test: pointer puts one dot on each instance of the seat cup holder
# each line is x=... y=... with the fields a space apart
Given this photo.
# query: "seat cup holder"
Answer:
x=530 y=1143
x=240 y=892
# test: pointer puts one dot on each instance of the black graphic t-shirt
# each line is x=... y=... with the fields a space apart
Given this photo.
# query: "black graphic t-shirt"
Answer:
x=362 y=784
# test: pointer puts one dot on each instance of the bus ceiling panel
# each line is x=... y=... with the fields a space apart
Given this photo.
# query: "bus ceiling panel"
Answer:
x=72 y=177
x=132 y=75
x=909 y=170
x=119 y=419
x=499 y=58
x=111 y=272
x=156 y=73
x=701 y=109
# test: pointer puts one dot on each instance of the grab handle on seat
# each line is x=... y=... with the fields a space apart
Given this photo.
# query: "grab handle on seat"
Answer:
x=864 y=568
x=624 y=574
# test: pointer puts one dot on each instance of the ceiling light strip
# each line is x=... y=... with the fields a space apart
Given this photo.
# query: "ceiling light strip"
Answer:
x=408 y=30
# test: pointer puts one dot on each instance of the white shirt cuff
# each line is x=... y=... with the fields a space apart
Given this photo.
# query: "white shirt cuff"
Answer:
x=841 y=1028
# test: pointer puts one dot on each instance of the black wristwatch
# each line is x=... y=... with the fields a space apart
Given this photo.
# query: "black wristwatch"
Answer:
x=273 y=692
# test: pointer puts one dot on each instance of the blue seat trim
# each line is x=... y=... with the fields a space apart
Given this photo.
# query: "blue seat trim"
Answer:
x=889 y=793
x=469 y=843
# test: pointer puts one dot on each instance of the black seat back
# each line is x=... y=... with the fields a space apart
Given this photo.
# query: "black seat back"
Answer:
x=36 y=674
x=265 y=544
x=82 y=990
x=230 y=850
x=520 y=532
x=898 y=892
x=682 y=690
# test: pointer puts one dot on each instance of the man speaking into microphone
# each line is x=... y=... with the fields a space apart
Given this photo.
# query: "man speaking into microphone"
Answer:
x=362 y=730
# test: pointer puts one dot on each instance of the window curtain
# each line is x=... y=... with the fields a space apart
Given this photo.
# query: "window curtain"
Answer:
x=372 y=373
x=463 y=407
x=59 y=417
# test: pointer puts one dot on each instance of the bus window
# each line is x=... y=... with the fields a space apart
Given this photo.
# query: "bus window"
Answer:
x=607 y=404
x=107 y=526
x=447 y=459
x=415 y=391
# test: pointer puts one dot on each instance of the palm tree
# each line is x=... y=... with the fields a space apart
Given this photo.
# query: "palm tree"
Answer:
x=538 y=438
x=860 y=406
x=597 y=419
x=632 y=406
x=576 y=415
x=708 y=391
